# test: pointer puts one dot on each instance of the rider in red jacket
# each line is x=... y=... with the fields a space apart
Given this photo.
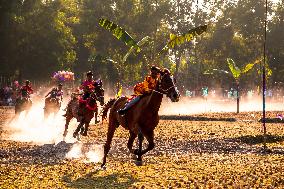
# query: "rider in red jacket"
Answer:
x=26 y=89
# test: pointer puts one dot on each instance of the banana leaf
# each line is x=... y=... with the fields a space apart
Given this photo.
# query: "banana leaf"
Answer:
x=186 y=37
x=139 y=44
x=250 y=66
x=118 y=32
x=234 y=69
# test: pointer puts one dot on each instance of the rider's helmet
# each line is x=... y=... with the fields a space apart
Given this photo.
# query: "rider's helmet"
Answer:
x=89 y=73
x=155 y=71
x=27 y=82
x=60 y=85
x=155 y=68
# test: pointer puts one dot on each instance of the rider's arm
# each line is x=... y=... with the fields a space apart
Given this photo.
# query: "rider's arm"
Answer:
x=146 y=85
x=142 y=88
x=31 y=91
x=48 y=93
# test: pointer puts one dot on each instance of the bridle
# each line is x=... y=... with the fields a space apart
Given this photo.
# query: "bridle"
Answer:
x=162 y=91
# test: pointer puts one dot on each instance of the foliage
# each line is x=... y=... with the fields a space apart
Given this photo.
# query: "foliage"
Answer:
x=47 y=36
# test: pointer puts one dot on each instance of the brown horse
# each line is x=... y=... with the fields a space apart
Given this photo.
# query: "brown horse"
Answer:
x=142 y=118
x=90 y=109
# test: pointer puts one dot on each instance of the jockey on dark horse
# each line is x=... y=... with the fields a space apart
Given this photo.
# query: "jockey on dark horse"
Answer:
x=26 y=90
x=56 y=93
x=143 y=88
x=88 y=86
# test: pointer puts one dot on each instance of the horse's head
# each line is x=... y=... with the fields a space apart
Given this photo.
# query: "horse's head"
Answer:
x=168 y=87
x=99 y=91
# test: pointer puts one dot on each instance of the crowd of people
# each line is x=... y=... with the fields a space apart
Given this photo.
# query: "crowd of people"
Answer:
x=8 y=95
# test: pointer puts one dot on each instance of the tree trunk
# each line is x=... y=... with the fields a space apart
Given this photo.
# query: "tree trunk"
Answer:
x=238 y=97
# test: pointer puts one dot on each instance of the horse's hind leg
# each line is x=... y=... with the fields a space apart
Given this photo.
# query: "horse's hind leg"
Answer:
x=111 y=129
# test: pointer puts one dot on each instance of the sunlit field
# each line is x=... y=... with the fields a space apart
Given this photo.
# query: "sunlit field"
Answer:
x=203 y=150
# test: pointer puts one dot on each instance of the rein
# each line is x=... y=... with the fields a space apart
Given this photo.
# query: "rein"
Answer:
x=163 y=91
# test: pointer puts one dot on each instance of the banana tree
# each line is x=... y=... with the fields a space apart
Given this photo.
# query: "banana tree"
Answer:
x=237 y=72
x=177 y=40
x=118 y=32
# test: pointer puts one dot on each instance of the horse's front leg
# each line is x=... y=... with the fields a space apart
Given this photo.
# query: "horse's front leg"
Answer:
x=96 y=116
x=138 y=151
x=130 y=141
x=85 y=130
x=68 y=119
x=150 y=138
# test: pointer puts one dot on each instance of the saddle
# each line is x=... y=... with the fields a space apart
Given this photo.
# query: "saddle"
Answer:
x=86 y=104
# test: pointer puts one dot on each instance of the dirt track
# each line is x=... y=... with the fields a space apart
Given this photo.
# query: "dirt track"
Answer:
x=207 y=150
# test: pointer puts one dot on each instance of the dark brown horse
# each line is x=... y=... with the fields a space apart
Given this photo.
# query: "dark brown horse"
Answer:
x=22 y=104
x=90 y=109
x=51 y=106
x=142 y=118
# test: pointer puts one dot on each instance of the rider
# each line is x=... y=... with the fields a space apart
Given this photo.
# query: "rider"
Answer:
x=143 y=88
x=56 y=93
x=88 y=86
x=26 y=90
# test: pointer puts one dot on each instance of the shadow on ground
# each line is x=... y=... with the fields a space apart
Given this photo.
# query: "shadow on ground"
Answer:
x=241 y=145
x=94 y=180
x=258 y=139
x=194 y=118
x=33 y=154
x=272 y=120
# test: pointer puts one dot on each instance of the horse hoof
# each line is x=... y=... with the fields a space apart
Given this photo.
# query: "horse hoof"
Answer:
x=138 y=163
x=103 y=167
x=75 y=135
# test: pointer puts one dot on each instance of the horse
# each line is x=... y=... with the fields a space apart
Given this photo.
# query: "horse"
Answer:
x=142 y=118
x=22 y=104
x=90 y=109
x=52 y=105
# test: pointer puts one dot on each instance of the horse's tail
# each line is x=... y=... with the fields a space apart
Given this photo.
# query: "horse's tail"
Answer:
x=106 y=107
